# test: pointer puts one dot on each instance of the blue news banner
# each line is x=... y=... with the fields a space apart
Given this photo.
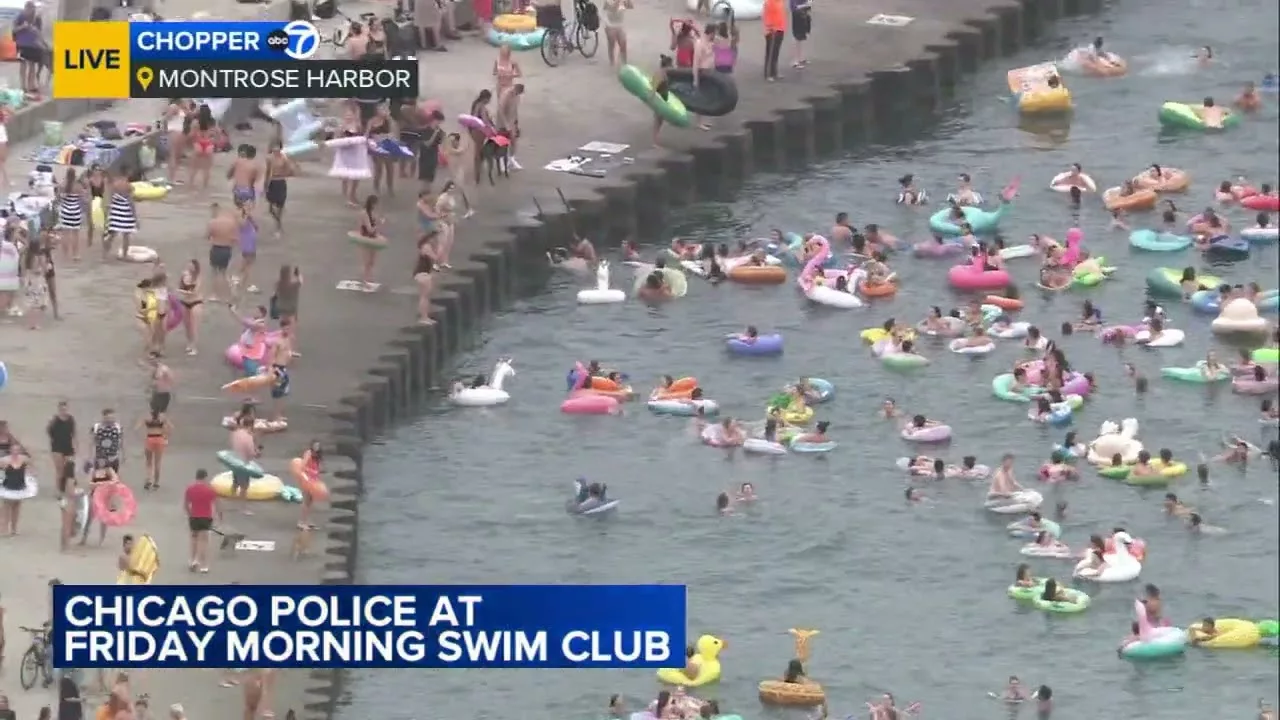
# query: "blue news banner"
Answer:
x=382 y=626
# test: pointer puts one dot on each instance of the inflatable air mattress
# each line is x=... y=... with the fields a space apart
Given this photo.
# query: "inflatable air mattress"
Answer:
x=1182 y=116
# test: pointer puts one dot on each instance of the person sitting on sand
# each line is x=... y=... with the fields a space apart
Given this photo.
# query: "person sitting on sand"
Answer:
x=1212 y=115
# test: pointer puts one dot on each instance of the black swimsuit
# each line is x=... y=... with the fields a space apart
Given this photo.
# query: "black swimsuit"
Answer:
x=187 y=287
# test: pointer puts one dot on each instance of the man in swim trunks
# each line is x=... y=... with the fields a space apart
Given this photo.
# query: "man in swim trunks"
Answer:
x=1003 y=483
x=224 y=234
x=1212 y=115
x=245 y=447
x=244 y=174
x=841 y=231
x=281 y=354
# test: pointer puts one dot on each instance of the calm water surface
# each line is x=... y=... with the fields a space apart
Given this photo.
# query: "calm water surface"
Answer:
x=909 y=599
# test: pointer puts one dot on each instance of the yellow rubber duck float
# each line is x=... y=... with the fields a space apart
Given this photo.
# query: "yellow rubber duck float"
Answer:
x=798 y=691
x=706 y=657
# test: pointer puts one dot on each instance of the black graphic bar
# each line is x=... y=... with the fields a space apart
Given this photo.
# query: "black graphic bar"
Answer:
x=386 y=79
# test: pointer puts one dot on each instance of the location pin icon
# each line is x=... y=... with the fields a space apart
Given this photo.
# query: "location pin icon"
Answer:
x=145 y=76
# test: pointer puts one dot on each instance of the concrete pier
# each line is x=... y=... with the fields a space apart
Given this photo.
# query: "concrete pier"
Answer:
x=364 y=363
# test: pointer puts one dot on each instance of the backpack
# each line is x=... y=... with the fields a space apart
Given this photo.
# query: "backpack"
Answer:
x=589 y=15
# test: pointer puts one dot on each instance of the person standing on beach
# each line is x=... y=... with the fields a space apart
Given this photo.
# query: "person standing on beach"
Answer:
x=507 y=118
x=774 y=15
x=62 y=442
x=108 y=440
x=223 y=233
x=245 y=447
x=201 y=503
x=247 y=235
x=281 y=353
x=244 y=173
x=801 y=24
x=279 y=167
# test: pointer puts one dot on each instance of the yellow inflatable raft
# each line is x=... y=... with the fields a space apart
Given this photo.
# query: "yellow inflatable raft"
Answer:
x=143 y=190
x=516 y=24
x=144 y=561
x=267 y=487
x=706 y=657
x=1031 y=90
x=1233 y=634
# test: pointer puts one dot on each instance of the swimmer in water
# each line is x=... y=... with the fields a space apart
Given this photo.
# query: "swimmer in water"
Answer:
x=968 y=469
x=1049 y=542
x=1248 y=101
x=655 y=288
x=749 y=336
x=1058 y=469
x=889 y=409
x=817 y=437
x=746 y=493
x=723 y=505
x=1212 y=115
x=1196 y=525
x=1238 y=450
x=616 y=709
x=913 y=495
x=1003 y=483
x=1023 y=578
x=1175 y=507
x=1013 y=691
x=1204 y=55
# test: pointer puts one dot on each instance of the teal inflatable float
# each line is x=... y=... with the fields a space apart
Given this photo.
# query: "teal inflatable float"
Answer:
x=670 y=109
x=517 y=41
x=1184 y=117
x=1153 y=241
x=983 y=222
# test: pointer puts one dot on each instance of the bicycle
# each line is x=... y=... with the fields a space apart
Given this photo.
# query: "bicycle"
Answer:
x=561 y=40
x=37 y=659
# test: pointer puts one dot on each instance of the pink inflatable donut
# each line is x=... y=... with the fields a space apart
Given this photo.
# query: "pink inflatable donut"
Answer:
x=1266 y=203
x=1114 y=332
x=126 y=504
x=236 y=352
x=968 y=277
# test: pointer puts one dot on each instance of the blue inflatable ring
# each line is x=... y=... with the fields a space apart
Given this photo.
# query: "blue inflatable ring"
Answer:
x=517 y=41
x=764 y=345
x=1153 y=241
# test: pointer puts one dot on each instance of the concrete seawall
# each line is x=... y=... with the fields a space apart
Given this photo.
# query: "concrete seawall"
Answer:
x=915 y=75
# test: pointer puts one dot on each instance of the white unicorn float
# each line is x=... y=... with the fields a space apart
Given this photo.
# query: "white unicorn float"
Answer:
x=601 y=293
x=490 y=393
x=1118 y=565
x=1115 y=440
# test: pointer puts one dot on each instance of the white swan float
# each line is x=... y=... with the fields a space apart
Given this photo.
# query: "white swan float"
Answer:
x=1169 y=337
x=488 y=394
x=742 y=9
x=1117 y=565
x=1115 y=439
x=831 y=297
x=601 y=293
x=1023 y=501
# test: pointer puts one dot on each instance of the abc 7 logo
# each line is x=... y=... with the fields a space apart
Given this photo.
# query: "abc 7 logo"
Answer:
x=298 y=40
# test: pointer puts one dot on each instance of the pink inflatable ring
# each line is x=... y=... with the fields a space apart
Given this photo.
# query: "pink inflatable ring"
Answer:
x=967 y=277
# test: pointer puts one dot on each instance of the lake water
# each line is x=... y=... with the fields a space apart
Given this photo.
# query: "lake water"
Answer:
x=909 y=599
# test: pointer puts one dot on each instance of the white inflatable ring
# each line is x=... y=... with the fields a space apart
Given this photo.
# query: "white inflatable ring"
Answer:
x=742 y=9
x=958 y=347
x=1015 y=331
x=139 y=254
x=1057 y=184
x=1168 y=338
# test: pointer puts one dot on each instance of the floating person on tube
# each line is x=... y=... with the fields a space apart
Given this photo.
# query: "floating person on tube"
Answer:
x=750 y=336
x=655 y=288
x=965 y=194
x=819 y=435
x=1003 y=483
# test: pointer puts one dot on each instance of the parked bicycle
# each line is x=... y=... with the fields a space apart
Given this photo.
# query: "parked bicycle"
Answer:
x=37 y=660
x=561 y=39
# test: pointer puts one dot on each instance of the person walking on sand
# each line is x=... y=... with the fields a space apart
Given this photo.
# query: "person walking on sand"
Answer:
x=615 y=30
x=101 y=476
x=258 y=691
x=201 y=503
x=279 y=167
x=457 y=151
x=155 y=428
x=108 y=439
x=202 y=139
x=71 y=495
x=446 y=225
x=61 y=430
x=15 y=486
x=281 y=354
x=801 y=25
x=507 y=118
x=243 y=174
x=245 y=447
x=774 y=15
x=284 y=302
x=247 y=236
x=224 y=234
x=71 y=212
x=175 y=125
x=370 y=229
x=190 y=294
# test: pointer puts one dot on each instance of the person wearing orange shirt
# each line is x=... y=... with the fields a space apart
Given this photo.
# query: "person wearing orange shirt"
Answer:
x=774 y=16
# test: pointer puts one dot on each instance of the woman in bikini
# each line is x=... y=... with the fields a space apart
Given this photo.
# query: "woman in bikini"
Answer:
x=191 y=297
x=155 y=428
x=480 y=110
x=424 y=277
x=71 y=212
x=382 y=127
x=202 y=140
x=369 y=224
x=175 y=124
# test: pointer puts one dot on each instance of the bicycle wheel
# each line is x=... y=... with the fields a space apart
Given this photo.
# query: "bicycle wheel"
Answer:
x=588 y=41
x=552 y=47
x=30 y=667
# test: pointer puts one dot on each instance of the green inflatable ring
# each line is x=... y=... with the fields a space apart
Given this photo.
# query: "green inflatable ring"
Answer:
x=1088 y=280
x=1266 y=355
x=1079 y=602
x=1000 y=388
x=676 y=280
x=637 y=83
x=1184 y=117
x=1027 y=594
x=1115 y=472
x=1156 y=480
x=516 y=41
x=1167 y=282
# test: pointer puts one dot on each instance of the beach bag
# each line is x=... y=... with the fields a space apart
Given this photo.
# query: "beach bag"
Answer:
x=589 y=15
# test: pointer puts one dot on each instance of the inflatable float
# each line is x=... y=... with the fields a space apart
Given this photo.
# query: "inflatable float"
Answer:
x=1239 y=316
x=806 y=693
x=1153 y=642
x=706 y=656
x=1264 y=203
x=1141 y=199
x=973 y=276
x=1117 y=564
x=1115 y=440
x=144 y=561
x=515 y=23
x=601 y=293
x=1171 y=180
x=675 y=280
x=230 y=461
x=1062 y=182
x=1153 y=241
x=982 y=222
x=927 y=434
x=736 y=9
x=262 y=487
x=1167 y=282
x=757 y=274
x=1032 y=93
x=491 y=393
x=671 y=109
x=529 y=40
x=1195 y=374
x=1231 y=634
x=1169 y=337
x=683 y=407
x=587 y=403
x=308 y=479
x=1183 y=116
x=1025 y=529
x=1109 y=65
x=761 y=346
x=1261 y=235
x=1225 y=247
x=1022 y=501
x=591 y=505
x=814 y=284
x=715 y=95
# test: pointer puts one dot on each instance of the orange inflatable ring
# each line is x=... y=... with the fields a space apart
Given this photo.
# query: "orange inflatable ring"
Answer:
x=309 y=483
x=126 y=504
x=1139 y=200
x=1002 y=302
x=604 y=383
x=884 y=289
x=681 y=389
x=251 y=383
x=805 y=694
x=758 y=275
x=1116 y=68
